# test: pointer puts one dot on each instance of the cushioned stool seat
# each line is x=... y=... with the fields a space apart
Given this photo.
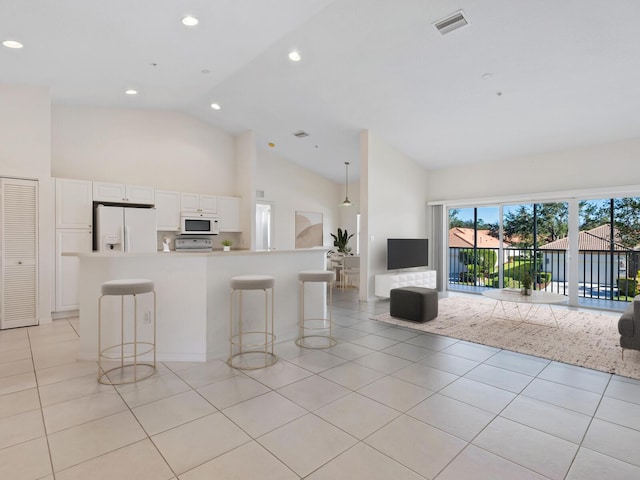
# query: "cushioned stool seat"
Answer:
x=417 y=304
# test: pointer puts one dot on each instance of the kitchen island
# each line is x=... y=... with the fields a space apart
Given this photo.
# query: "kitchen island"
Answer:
x=193 y=296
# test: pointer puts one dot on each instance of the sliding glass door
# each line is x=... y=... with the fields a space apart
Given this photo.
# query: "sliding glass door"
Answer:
x=493 y=247
x=473 y=247
x=536 y=243
x=608 y=248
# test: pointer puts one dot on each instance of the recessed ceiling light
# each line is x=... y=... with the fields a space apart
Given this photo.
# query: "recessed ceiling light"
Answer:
x=294 y=56
x=131 y=91
x=12 y=44
x=215 y=106
x=190 y=21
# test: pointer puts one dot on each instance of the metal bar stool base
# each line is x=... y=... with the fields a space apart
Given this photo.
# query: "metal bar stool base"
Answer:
x=316 y=333
x=252 y=360
x=127 y=355
x=253 y=349
x=316 y=341
x=119 y=374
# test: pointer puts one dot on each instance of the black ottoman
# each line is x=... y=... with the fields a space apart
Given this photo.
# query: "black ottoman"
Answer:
x=417 y=304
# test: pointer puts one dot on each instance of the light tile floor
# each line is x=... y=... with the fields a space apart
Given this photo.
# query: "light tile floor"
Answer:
x=384 y=403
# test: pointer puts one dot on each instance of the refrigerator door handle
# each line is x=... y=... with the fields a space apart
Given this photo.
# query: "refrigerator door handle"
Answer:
x=127 y=239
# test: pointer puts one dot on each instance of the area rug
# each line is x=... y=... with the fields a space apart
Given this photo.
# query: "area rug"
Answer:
x=584 y=338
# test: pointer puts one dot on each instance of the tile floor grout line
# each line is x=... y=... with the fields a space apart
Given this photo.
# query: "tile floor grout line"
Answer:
x=586 y=431
x=255 y=439
x=495 y=416
x=536 y=429
x=144 y=430
x=354 y=361
x=44 y=425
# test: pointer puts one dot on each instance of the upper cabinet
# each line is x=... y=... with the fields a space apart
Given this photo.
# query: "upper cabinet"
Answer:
x=168 y=210
x=229 y=214
x=121 y=193
x=192 y=202
x=73 y=203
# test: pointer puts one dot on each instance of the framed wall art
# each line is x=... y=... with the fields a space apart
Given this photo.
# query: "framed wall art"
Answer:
x=308 y=229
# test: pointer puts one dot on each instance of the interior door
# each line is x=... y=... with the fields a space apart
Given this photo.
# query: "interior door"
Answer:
x=264 y=225
x=19 y=258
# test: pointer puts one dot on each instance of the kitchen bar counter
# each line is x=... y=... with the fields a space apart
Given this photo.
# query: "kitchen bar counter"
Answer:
x=193 y=295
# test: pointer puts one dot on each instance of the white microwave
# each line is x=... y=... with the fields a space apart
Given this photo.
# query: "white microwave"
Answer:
x=199 y=224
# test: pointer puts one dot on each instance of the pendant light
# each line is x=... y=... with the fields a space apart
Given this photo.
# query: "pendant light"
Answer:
x=346 y=202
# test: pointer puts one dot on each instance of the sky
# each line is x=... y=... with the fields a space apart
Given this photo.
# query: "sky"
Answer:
x=490 y=214
x=487 y=214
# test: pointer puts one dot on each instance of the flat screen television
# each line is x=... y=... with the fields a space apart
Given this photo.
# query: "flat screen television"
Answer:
x=407 y=253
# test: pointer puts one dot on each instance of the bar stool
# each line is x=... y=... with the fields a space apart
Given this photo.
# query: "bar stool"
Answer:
x=126 y=350
x=251 y=349
x=320 y=328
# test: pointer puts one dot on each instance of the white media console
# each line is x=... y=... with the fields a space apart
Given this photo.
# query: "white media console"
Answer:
x=419 y=278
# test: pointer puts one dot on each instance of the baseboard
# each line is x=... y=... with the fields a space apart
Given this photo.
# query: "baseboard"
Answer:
x=67 y=314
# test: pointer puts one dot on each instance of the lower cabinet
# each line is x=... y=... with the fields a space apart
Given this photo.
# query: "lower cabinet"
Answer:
x=69 y=240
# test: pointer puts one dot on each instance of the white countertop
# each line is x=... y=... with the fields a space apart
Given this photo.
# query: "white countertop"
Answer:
x=193 y=254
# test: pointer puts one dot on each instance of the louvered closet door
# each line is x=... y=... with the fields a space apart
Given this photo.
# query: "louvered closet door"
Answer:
x=19 y=243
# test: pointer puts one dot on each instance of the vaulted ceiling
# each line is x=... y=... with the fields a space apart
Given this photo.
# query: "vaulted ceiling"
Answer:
x=523 y=77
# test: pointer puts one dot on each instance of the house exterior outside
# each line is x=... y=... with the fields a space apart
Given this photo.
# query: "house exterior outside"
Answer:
x=463 y=238
x=596 y=257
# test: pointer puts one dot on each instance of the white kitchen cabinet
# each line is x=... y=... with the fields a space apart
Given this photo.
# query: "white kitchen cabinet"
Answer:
x=229 y=214
x=18 y=253
x=192 y=202
x=168 y=210
x=67 y=268
x=74 y=207
x=109 y=192
x=122 y=193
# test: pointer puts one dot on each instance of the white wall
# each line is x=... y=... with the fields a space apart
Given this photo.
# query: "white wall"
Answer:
x=393 y=195
x=607 y=165
x=292 y=188
x=165 y=149
x=347 y=216
x=245 y=166
x=25 y=151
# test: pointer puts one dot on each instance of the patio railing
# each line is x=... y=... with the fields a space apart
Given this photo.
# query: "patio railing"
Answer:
x=602 y=274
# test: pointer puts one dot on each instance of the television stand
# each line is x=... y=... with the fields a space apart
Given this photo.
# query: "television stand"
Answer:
x=385 y=282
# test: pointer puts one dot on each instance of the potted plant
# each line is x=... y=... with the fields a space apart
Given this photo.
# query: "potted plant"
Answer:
x=341 y=240
x=525 y=282
x=226 y=245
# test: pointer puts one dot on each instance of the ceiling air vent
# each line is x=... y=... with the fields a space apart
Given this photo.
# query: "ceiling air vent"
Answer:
x=451 y=22
x=300 y=134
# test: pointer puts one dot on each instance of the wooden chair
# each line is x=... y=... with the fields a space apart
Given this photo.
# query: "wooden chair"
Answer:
x=350 y=271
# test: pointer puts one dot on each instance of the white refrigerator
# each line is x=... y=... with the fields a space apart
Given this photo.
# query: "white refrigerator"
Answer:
x=126 y=229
